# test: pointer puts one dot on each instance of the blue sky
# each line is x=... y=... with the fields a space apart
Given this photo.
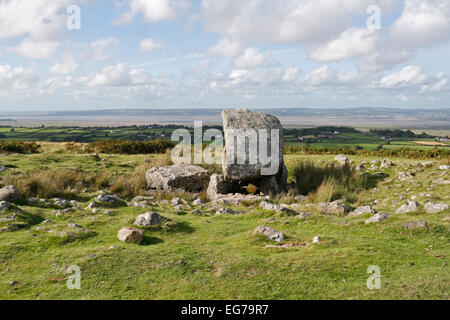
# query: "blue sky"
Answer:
x=223 y=53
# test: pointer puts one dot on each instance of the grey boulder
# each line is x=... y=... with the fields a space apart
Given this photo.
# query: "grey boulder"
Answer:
x=149 y=219
x=127 y=234
x=431 y=207
x=177 y=177
x=237 y=125
x=9 y=193
x=270 y=233
x=333 y=208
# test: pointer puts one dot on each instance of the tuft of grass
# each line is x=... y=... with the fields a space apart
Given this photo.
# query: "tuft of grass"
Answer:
x=329 y=182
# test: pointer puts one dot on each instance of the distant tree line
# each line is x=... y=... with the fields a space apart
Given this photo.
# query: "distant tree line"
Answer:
x=396 y=133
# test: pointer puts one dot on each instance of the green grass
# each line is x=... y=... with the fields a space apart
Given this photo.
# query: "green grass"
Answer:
x=217 y=257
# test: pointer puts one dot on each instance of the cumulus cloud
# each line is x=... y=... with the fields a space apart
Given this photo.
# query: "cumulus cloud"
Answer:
x=99 y=49
x=351 y=43
x=153 y=11
x=291 y=74
x=250 y=59
x=408 y=76
x=307 y=21
x=16 y=79
x=39 y=19
x=117 y=75
x=225 y=48
x=68 y=65
x=36 y=49
x=421 y=24
x=149 y=45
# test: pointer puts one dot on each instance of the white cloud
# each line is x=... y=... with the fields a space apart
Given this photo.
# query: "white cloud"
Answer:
x=291 y=74
x=225 y=48
x=351 y=43
x=421 y=24
x=153 y=11
x=117 y=75
x=250 y=59
x=407 y=77
x=16 y=78
x=67 y=66
x=281 y=21
x=40 y=19
x=36 y=49
x=149 y=45
x=98 y=48
x=320 y=76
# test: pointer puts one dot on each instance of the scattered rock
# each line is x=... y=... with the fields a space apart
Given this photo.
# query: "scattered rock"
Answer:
x=197 y=202
x=277 y=208
x=185 y=177
x=441 y=181
x=379 y=217
x=446 y=219
x=300 y=198
x=10 y=193
x=360 y=167
x=223 y=211
x=92 y=205
x=149 y=219
x=404 y=175
x=411 y=206
x=316 y=239
x=333 y=208
x=431 y=207
x=176 y=202
x=60 y=203
x=237 y=199
x=303 y=215
x=386 y=164
x=4 y=205
x=270 y=233
x=444 y=167
x=106 y=198
x=127 y=234
x=3 y=168
x=73 y=225
x=341 y=159
x=427 y=164
x=414 y=225
x=363 y=210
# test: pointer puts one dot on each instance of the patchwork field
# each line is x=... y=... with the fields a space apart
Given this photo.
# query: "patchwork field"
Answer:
x=201 y=255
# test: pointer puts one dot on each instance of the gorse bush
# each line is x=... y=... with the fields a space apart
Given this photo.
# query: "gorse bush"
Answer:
x=329 y=182
x=112 y=146
x=19 y=146
x=435 y=153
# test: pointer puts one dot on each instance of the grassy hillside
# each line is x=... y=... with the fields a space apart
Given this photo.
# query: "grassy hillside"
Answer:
x=204 y=256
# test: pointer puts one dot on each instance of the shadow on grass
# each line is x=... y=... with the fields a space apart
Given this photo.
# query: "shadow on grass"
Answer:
x=148 y=241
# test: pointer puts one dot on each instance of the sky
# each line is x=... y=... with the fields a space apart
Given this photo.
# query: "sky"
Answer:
x=100 y=54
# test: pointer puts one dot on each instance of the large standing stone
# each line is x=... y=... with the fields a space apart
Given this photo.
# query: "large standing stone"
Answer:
x=185 y=177
x=238 y=126
x=9 y=193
